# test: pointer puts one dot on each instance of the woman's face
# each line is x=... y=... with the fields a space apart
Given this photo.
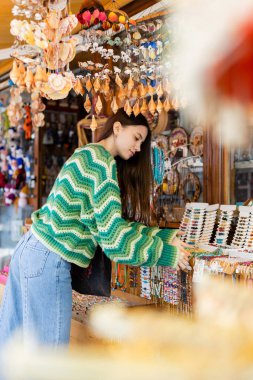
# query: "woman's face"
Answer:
x=128 y=139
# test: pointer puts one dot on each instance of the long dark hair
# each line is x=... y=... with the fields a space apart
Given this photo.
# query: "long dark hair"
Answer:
x=134 y=175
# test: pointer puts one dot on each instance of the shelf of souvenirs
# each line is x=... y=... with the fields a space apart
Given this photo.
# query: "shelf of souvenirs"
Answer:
x=217 y=261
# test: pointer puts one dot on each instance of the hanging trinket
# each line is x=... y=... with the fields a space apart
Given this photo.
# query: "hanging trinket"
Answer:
x=152 y=53
x=151 y=90
x=121 y=94
x=136 y=108
x=118 y=81
x=88 y=85
x=40 y=77
x=106 y=87
x=136 y=36
x=134 y=94
x=94 y=124
x=78 y=87
x=64 y=50
x=99 y=106
x=14 y=74
x=159 y=90
x=159 y=106
x=21 y=82
x=144 y=107
x=53 y=19
x=152 y=106
x=96 y=85
x=108 y=96
x=29 y=79
x=130 y=84
x=87 y=104
x=142 y=90
x=128 y=108
x=114 y=105
x=166 y=105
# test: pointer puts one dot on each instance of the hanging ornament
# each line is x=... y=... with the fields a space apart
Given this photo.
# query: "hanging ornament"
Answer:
x=78 y=87
x=121 y=94
x=94 y=124
x=99 y=106
x=64 y=51
x=127 y=108
x=96 y=85
x=159 y=106
x=134 y=93
x=142 y=90
x=114 y=105
x=88 y=85
x=40 y=77
x=166 y=105
x=152 y=53
x=113 y=17
x=151 y=90
x=105 y=88
x=87 y=104
x=152 y=106
x=53 y=19
x=21 y=83
x=29 y=79
x=108 y=96
x=115 y=27
x=14 y=74
x=159 y=90
x=137 y=36
x=136 y=108
x=130 y=84
x=144 y=107
x=118 y=81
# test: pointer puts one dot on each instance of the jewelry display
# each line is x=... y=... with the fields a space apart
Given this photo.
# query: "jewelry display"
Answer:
x=192 y=222
x=209 y=223
x=171 y=286
x=158 y=165
x=156 y=282
x=243 y=236
x=224 y=224
x=145 y=277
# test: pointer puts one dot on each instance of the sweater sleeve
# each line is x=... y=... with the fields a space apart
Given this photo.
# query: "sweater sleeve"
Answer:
x=122 y=241
x=167 y=235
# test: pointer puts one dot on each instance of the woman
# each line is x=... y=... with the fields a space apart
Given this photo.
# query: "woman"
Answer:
x=99 y=187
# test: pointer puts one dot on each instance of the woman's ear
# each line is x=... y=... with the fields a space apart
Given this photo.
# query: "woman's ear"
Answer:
x=117 y=128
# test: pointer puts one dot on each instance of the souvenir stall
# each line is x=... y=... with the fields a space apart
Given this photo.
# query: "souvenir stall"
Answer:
x=71 y=70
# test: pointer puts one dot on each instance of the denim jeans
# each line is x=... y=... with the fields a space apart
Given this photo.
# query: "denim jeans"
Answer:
x=38 y=295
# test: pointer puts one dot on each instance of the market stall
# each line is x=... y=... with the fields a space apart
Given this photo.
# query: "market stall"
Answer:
x=73 y=65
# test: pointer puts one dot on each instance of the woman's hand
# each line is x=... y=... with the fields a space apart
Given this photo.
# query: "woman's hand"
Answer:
x=184 y=256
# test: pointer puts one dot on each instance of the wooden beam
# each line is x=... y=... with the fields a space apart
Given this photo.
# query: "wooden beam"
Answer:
x=217 y=169
x=153 y=16
x=137 y=6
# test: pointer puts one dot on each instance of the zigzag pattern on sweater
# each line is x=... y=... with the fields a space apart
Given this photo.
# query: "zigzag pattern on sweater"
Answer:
x=84 y=209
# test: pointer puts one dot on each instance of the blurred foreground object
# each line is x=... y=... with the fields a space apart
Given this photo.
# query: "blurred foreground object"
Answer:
x=212 y=64
x=152 y=345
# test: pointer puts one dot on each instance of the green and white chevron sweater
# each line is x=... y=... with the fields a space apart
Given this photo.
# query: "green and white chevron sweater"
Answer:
x=84 y=209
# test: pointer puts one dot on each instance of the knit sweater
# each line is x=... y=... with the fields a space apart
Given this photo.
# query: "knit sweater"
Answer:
x=84 y=209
